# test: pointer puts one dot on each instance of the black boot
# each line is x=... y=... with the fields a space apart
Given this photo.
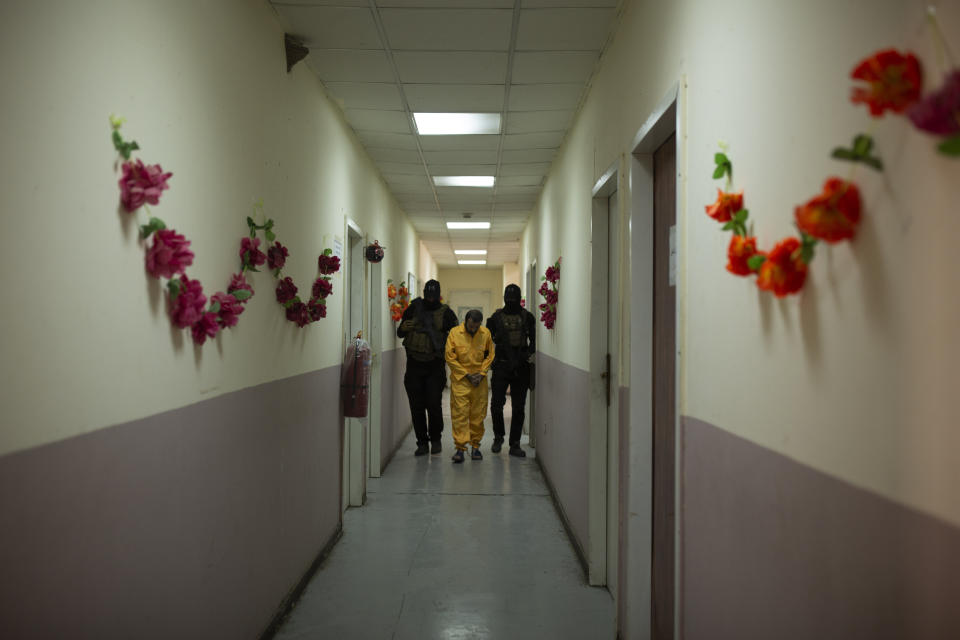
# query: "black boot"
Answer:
x=437 y=447
x=422 y=449
x=515 y=450
x=497 y=443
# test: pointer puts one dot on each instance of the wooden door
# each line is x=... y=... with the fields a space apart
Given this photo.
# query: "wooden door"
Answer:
x=664 y=391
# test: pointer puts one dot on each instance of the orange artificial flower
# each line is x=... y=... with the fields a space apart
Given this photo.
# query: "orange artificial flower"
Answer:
x=741 y=249
x=403 y=291
x=391 y=291
x=833 y=215
x=784 y=271
x=893 y=82
x=726 y=205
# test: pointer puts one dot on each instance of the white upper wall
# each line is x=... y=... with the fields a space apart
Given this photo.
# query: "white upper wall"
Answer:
x=85 y=337
x=854 y=375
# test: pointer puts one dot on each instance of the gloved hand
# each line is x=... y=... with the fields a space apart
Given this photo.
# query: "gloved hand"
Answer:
x=408 y=325
x=532 y=359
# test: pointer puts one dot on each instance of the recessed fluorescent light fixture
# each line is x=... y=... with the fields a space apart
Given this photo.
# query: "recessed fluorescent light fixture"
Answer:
x=471 y=262
x=470 y=252
x=463 y=181
x=452 y=124
x=468 y=225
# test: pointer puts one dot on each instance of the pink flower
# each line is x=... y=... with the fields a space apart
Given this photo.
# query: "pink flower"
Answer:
x=553 y=274
x=317 y=309
x=250 y=252
x=141 y=183
x=551 y=296
x=939 y=112
x=286 y=290
x=322 y=288
x=188 y=308
x=298 y=312
x=169 y=254
x=277 y=256
x=238 y=282
x=544 y=287
x=230 y=308
x=328 y=264
x=548 y=318
x=206 y=327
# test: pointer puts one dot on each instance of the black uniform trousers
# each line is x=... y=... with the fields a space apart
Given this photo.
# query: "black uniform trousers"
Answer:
x=424 y=383
x=518 y=379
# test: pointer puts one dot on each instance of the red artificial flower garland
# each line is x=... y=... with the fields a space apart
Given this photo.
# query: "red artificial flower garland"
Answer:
x=169 y=255
x=550 y=290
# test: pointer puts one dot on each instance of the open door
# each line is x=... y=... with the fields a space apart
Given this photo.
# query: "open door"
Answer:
x=355 y=429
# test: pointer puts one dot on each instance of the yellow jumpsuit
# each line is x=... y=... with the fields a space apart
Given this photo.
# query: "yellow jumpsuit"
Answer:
x=468 y=404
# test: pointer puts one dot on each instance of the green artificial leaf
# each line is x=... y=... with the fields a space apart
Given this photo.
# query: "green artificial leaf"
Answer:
x=754 y=262
x=729 y=226
x=145 y=231
x=328 y=252
x=842 y=153
x=250 y=223
x=862 y=144
x=173 y=286
x=215 y=307
x=269 y=224
x=741 y=216
x=117 y=140
x=806 y=253
x=157 y=223
x=276 y=273
x=271 y=236
x=241 y=294
x=253 y=268
x=950 y=146
x=721 y=158
x=718 y=173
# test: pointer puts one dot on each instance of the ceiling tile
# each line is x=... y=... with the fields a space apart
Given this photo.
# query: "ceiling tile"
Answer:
x=466 y=4
x=408 y=178
x=564 y=29
x=451 y=67
x=405 y=168
x=351 y=66
x=451 y=143
x=551 y=4
x=528 y=155
x=525 y=169
x=366 y=95
x=331 y=27
x=533 y=97
x=448 y=29
x=460 y=157
x=441 y=169
x=519 y=181
x=505 y=191
x=376 y=120
x=454 y=97
x=536 y=121
x=544 y=140
x=321 y=3
x=464 y=194
x=407 y=156
x=553 y=66
x=380 y=140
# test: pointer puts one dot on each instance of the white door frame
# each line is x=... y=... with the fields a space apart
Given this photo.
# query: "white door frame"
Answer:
x=375 y=338
x=663 y=121
x=355 y=429
x=531 y=286
x=597 y=480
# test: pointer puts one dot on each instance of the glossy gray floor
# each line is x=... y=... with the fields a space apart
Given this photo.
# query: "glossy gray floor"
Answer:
x=473 y=550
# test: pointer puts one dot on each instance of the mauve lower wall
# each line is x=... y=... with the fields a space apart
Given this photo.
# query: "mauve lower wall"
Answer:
x=562 y=435
x=775 y=549
x=194 y=523
x=395 y=421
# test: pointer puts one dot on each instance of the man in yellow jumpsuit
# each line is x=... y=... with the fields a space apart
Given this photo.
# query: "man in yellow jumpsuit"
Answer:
x=469 y=352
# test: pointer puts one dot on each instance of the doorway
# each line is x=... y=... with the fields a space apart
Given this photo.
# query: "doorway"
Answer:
x=375 y=338
x=354 y=456
x=648 y=606
x=529 y=296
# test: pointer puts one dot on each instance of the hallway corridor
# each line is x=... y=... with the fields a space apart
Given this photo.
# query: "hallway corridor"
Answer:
x=474 y=550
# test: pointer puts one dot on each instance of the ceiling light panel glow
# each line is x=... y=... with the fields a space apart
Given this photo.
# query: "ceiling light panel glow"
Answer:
x=463 y=181
x=457 y=124
x=468 y=225
x=470 y=252
x=471 y=262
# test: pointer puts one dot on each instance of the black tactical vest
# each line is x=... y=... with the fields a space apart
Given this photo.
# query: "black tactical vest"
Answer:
x=417 y=341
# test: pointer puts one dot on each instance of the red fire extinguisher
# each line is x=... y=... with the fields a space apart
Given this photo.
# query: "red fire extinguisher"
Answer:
x=355 y=379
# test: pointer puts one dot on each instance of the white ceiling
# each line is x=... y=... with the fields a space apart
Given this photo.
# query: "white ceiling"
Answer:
x=529 y=60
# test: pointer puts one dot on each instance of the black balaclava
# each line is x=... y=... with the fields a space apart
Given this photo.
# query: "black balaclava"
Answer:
x=431 y=294
x=511 y=299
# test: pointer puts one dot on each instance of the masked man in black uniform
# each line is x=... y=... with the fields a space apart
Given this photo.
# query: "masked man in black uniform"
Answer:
x=424 y=329
x=514 y=331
